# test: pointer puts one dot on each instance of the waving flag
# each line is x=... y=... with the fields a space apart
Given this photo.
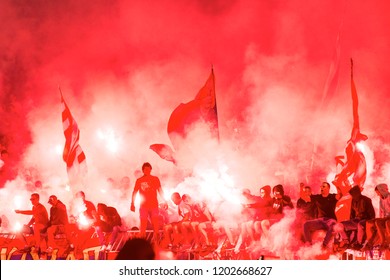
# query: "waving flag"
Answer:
x=355 y=162
x=164 y=151
x=202 y=109
x=73 y=155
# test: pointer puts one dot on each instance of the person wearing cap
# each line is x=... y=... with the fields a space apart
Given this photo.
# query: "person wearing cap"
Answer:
x=58 y=223
x=39 y=220
x=148 y=186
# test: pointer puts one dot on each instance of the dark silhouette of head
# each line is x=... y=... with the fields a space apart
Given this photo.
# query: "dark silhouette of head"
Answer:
x=136 y=249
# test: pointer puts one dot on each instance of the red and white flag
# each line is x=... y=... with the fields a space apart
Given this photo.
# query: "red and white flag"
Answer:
x=73 y=155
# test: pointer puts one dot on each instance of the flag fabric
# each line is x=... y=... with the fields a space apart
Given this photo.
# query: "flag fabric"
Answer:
x=203 y=108
x=356 y=157
x=355 y=162
x=164 y=151
x=73 y=155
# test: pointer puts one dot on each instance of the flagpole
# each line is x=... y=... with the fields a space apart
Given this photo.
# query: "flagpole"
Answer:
x=215 y=96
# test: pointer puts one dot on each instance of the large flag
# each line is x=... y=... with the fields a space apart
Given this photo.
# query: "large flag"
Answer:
x=355 y=163
x=73 y=155
x=201 y=110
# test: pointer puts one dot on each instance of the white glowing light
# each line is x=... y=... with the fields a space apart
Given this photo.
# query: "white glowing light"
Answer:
x=360 y=146
x=103 y=191
x=58 y=149
x=18 y=201
x=18 y=227
x=83 y=221
x=110 y=138
x=67 y=188
x=137 y=199
x=167 y=195
x=100 y=134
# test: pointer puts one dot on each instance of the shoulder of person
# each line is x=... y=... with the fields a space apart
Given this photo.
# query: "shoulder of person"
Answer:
x=155 y=178
x=112 y=210
x=40 y=205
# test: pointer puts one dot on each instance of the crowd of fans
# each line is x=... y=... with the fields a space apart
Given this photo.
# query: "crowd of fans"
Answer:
x=193 y=227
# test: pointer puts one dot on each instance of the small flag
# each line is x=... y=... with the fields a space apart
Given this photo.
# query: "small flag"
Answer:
x=164 y=151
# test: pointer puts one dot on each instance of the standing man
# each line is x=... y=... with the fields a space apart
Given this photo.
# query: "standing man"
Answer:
x=148 y=186
x=38 y=222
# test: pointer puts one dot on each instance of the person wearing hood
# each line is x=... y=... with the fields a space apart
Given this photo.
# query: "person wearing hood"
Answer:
x=380 y=227
x=362 y=210
x=280 y=201
x=263 y=209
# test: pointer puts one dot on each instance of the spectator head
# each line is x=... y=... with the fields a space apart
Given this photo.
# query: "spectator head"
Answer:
x=278 y=191
x=136 y=249
x=176 y=198
x=52 y=200
x=265 y=191
x=355 y=191
x=34 y=198
x=81 y=195
x=146 y=168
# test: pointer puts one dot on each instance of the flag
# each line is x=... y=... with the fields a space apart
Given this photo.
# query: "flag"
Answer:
x=164 y=151
x=203 y=108
x=355 y=162
x=73 y=155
